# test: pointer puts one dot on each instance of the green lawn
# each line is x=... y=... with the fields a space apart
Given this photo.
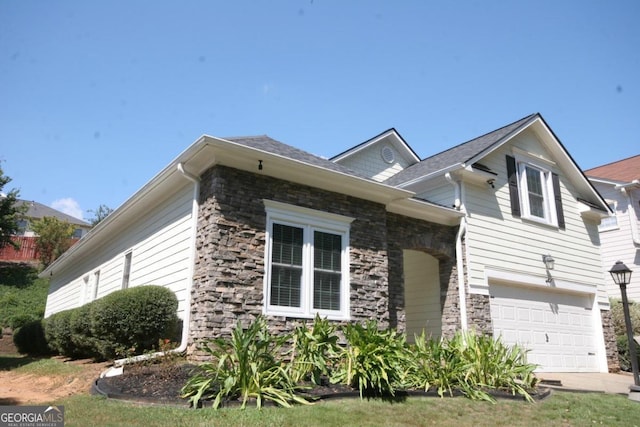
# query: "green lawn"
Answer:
x=559 y=409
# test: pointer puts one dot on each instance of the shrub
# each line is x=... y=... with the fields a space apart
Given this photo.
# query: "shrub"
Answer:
x=29 y=339
x=57 y=331
x=314 y=350
x=135 y=319
x=375 y=361
x=84 y=343
x=620 y=328
x=244 y=367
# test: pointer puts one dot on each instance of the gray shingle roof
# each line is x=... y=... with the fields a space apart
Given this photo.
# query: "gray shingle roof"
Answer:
x=270 y=145
x=459 y=154
x=38 y=211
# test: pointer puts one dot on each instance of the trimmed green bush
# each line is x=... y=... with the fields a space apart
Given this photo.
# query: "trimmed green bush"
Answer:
x=29 y=339
x=134 y=320
x=57 y=331
x=123 y=323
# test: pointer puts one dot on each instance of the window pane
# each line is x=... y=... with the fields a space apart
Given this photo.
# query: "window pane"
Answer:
x=327 y=274
x=536 y=195
x=285 y=286
x=286 y=266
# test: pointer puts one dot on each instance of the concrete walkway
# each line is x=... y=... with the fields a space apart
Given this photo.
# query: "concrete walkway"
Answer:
x=597 y=382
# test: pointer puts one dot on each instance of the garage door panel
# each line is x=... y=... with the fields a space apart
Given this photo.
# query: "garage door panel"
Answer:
x=557 y=328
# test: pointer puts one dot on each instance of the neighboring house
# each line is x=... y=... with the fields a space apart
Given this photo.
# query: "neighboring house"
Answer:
x=619 y=185
x=239 y=227
x=36 y=211
x=26 y=237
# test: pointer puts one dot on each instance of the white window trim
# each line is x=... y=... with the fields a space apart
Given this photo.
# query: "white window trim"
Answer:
x=549 y=202
x=309 y=220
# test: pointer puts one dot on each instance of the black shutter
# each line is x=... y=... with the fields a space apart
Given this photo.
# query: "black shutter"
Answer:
x=513 y=186
x=558 y=198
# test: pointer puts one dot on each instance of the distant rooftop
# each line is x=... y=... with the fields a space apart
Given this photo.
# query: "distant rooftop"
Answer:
x=623 y=170
x=38 y=211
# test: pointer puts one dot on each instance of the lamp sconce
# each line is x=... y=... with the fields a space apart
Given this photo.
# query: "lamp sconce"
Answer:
x=491 y=182
x=549 y=264
x=259 y=165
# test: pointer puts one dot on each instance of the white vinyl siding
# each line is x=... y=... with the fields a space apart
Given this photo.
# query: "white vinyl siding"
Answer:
x=497 y=240
x=369 y=162
x=617 y=244
x=422 y=295
x=160 y=246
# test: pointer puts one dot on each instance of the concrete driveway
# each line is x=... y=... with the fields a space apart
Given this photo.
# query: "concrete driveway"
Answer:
x=597 y=382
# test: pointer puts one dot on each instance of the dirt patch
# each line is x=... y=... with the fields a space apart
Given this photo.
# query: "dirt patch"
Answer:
x=21 y=389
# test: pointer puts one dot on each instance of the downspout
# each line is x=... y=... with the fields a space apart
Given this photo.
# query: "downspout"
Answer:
x=459 y=205
x=187 y=314
x=633 y=221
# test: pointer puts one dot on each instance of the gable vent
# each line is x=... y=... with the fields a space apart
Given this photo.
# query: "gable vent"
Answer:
x=387 y=154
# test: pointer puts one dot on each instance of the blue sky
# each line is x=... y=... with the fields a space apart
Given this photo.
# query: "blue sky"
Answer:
x=97 y=97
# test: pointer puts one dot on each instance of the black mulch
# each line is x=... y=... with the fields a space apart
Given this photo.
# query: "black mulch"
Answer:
x=162 y=383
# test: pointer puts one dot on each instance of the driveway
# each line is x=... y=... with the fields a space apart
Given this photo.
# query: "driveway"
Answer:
x=598 y=382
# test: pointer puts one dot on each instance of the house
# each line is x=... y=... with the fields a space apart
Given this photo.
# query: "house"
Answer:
x=26 y=237
x=619 y=185
x=239 y=227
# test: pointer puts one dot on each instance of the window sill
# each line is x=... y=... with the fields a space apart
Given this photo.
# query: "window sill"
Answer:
x=297 y=315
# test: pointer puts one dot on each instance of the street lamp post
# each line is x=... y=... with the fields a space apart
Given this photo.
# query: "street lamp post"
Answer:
x=621 y=275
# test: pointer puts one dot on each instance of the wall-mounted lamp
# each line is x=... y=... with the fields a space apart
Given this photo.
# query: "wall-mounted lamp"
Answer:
x=259 y=165
x=549 y=262
x=491 y=181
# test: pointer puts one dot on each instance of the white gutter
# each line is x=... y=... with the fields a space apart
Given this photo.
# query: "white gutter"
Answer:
x=187 y=314
x=459 y=204
x=633 y=221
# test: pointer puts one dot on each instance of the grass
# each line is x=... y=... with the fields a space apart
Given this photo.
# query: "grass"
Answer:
x=37 y=366
x=560 y=409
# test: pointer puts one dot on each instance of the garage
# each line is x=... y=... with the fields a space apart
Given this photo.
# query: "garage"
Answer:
x=557 y=327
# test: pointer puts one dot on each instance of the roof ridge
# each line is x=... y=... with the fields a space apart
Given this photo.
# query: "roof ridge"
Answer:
x=482 y=136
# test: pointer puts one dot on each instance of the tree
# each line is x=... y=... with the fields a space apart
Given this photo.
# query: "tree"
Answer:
x=54 y=237
x=99 y=214
x=9 y=213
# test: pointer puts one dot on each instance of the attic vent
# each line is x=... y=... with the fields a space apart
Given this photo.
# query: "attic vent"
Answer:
x=387 y=154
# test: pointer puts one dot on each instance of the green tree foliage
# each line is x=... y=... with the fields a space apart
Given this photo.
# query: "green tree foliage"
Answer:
x=9 y=213
x=22 y=295
x=54 y=237
x=99 y=214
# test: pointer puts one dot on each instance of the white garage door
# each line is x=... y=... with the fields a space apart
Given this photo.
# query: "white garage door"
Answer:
x=556 y=327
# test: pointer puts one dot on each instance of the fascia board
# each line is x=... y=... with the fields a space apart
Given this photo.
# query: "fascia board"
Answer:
x=426 y=211
x=240 y=156
x=422 y=180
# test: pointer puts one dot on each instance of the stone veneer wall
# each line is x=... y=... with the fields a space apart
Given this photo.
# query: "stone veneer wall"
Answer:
x=229 y=265
x=439 y=242
x=611 y=347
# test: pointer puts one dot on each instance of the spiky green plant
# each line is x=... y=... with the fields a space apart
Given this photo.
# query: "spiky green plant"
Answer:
x=473 y=364
x=314 y=350
x=244 y=367
x=375 y=361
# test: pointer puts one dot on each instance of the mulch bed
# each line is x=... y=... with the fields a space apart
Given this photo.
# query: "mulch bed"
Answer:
x=161 y=384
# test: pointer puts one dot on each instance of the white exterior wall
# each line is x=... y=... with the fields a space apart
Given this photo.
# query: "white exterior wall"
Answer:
x=160 y=242
x=617 y=243
x=443 y=194
x=498 y=241
x=369 y=162
x=422 y=295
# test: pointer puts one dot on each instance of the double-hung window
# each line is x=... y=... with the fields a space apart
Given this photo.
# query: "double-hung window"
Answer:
x=307 y=262
x=534 y=191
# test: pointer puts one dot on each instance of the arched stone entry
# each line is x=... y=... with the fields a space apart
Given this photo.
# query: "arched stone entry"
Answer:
x=422 y=294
